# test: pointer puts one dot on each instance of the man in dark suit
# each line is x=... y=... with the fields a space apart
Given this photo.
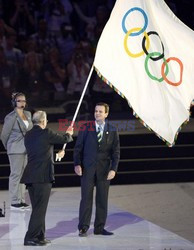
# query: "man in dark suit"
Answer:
x=96 y=158
x=39 y=174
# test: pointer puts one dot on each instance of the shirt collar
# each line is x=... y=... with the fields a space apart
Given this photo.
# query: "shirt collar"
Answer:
x=97 y=125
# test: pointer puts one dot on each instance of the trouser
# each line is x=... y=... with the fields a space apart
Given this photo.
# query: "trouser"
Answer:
x=16 y=189
x=85 y=211
x=39 y=195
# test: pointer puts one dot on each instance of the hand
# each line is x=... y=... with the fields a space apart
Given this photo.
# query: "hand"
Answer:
x=78 y=170
x=70 y=130
x=61 y=154
x=111 y=175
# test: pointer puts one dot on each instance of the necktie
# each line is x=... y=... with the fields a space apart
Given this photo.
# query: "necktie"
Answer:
x=99 y=134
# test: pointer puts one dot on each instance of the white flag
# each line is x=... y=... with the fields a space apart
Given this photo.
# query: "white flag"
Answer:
x=147 y=55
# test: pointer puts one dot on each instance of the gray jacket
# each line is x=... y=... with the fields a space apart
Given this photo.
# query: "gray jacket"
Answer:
x=13 y=132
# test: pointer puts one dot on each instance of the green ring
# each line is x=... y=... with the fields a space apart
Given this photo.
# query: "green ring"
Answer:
x=147 y=70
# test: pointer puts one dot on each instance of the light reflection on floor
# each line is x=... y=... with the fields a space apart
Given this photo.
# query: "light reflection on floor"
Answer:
x=130 y=231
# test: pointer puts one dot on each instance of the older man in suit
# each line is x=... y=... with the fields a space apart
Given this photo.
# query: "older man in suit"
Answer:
x=96 y=158
x=39 y=174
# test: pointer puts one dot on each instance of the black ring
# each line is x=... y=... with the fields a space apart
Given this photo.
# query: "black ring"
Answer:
x=145 y=50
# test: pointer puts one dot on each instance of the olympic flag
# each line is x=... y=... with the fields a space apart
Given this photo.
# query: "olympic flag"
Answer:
x=147 y=55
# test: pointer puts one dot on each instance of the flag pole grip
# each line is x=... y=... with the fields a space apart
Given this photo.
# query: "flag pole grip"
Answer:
x=57 y=158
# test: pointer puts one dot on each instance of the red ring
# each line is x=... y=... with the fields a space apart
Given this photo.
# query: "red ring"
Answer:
x=181 y=71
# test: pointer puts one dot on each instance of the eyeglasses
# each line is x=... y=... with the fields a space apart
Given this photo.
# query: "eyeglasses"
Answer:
x=21 y=101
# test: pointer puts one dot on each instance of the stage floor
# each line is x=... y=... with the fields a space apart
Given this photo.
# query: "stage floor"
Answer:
x=142 y=217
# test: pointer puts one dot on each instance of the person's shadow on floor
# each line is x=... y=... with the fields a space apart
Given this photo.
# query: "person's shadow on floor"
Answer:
x=62 y=228
x=114 y=221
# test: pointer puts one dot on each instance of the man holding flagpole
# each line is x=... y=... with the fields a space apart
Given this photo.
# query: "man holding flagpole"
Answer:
x=38 y=175
x=96 y=158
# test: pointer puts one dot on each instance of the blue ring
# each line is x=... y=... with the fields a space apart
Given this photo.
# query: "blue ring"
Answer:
x=145 y=17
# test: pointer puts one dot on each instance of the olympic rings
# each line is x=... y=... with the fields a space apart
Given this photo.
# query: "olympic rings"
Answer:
x=145 y=17
x=155 y=56
x=146 y=46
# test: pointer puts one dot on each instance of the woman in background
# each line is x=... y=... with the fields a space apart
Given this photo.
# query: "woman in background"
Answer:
x=15 y=126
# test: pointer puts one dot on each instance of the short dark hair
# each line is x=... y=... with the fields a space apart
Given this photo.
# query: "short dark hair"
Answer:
x=106 y=106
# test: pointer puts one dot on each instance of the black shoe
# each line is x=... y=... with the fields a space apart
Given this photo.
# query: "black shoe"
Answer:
x=19 y=207
x=103 y=232
x=46 y=241
x=34 y=243
x=25 y=206
x=83 y=232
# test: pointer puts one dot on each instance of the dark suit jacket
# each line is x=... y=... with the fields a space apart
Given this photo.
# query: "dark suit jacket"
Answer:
x=39 y=146
x=101 y=158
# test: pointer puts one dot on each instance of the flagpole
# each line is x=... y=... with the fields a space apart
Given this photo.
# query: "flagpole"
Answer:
x=78 y=107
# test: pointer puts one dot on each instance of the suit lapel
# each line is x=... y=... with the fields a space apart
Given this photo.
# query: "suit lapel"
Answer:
x=28 y=117
x=105 y=133
x=93 y=132
x=20 y=121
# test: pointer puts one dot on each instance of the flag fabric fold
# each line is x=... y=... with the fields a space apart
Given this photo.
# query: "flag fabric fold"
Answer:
x=147 y=54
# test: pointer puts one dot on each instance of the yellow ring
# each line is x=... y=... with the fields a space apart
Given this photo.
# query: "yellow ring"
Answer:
x=126 y=47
